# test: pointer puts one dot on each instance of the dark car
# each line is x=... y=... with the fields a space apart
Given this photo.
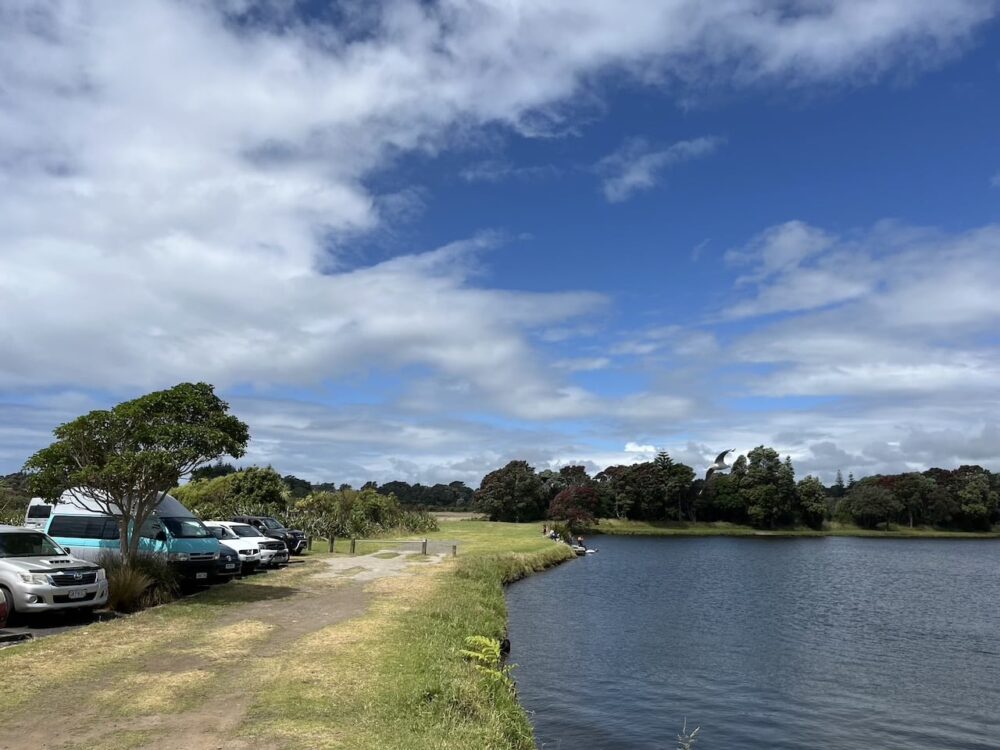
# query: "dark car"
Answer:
x=228 y=566
x=4 y=609
x=294 y=539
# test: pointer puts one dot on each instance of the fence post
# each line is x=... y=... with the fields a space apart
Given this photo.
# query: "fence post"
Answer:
x=333 y=540
x=309 y=543
x=423 y=547
x=454 y=550
x=354 y=543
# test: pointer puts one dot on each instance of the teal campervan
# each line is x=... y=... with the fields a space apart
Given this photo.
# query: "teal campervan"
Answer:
x=77 y=524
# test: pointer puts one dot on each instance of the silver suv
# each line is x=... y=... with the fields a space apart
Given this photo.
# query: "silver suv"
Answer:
x=37 y=575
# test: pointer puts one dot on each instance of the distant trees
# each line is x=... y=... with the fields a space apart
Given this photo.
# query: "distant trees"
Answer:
x=759 y=490
x=513 y=493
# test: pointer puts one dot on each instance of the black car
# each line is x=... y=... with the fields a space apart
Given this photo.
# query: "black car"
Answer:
x=295 y=540
x=228 y=566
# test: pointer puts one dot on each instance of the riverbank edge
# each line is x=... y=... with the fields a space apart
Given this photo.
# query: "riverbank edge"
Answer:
x=494 y=572
x=616 y=527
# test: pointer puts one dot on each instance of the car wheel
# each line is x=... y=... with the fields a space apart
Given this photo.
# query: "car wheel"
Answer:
x=8 y=600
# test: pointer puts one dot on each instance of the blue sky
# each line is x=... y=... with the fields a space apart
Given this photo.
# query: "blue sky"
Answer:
x=415 y=240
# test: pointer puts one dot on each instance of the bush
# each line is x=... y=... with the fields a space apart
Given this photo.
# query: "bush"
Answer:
x=147 y=582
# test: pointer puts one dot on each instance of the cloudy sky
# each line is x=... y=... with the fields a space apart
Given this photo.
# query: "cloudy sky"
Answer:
x=414 y=239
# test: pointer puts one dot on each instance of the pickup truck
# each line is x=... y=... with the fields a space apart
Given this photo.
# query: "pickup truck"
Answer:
x=37 y=575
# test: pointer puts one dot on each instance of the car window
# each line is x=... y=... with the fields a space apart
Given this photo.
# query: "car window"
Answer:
x=244 y=530
x=28 y=545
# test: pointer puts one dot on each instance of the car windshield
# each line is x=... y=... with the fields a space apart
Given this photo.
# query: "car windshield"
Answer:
x=270 y=523
x=28 y=545
x=221 y=532
x=186 y=528
x=243 y=530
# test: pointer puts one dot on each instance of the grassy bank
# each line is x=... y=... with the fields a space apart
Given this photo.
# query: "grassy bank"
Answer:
x=617 y=527
x=275 y=660
x=401 y=681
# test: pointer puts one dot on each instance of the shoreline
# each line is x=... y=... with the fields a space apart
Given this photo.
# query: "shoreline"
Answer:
x=617 y=527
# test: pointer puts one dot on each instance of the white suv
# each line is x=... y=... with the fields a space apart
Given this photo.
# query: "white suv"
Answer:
x=37 y=575
x=243 y=537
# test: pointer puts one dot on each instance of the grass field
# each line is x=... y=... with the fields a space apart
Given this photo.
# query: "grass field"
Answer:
x=274 y=661
x=617 y=527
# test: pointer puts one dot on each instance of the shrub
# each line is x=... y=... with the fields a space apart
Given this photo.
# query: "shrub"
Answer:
x=576 y=506
x=147 y=582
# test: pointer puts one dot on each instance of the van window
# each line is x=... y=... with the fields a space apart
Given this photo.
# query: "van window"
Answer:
x=39 y=511
x=186 y=528
x=84 y=527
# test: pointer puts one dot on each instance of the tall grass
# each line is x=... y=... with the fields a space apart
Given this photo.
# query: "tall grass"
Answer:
x=148 y=581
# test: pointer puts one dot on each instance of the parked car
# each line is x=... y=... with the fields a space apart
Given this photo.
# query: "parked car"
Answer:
x=273 y=552
x=294 y=539
x=246 y=548
x=38 y=575
x=78 y=524
x=228 y=565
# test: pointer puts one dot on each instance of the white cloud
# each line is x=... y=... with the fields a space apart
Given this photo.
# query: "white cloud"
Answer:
x=637 y=165
x=631 y=447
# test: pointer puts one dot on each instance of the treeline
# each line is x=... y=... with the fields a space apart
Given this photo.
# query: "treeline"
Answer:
x=321 y=511
x=760 y=490
x=452 y=496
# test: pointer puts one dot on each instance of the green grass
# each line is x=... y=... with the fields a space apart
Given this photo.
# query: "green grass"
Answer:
x=395 y=677
x=617 y=527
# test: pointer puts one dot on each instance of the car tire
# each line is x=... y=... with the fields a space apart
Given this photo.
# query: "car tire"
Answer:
x=9 y=600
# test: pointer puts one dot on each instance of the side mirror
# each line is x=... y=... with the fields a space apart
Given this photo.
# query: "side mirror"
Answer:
x=161 y=536
x=67 y=550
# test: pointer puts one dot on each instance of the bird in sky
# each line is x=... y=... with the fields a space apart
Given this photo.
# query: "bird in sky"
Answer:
x=719 y=465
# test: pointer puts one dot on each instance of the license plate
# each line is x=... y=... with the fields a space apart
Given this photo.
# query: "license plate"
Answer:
x=230 y=566
x=77 y=594
x=200 y=575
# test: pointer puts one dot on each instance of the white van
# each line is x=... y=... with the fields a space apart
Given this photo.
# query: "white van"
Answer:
x=37 y=514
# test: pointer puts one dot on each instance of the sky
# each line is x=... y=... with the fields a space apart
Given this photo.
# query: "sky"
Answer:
x=416 y=239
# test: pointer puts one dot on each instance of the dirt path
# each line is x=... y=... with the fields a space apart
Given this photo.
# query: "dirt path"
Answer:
x=192 y=691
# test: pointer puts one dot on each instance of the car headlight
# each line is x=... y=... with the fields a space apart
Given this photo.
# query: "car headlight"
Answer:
x=37 y=579
x=254 y=551
x=101 y=575
x=215 y=556
x=179 y=556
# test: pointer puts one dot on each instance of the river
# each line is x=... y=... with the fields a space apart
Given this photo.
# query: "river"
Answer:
x=765 y=643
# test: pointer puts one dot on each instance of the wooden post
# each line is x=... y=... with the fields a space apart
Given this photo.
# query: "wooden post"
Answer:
x=423 y=548
x=354 y=544
x=454 y=550
x=309 y=543
x=333 y=541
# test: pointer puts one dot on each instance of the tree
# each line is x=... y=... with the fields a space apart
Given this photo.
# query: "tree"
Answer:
x=869 y=504
x=298 y=488
x=812 y=501
x=513 y=493
x=838 y=490
x=123 y=459
x=576 y=505
x=914 y=492
x=768 y=488
x=218 y=469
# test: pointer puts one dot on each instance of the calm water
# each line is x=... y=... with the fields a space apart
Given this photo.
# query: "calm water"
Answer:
x=765 y=643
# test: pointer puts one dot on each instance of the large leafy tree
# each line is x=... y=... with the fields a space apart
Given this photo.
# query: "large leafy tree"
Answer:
x=513 y=493
x=576 y=505
x=869 y=504
x=122 y=460
x=768 y=488
x=812 y=505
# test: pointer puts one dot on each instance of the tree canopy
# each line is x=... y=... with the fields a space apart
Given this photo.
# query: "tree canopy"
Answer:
x=123 y=459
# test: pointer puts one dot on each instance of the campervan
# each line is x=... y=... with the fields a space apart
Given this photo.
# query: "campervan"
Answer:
x=78 y=523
